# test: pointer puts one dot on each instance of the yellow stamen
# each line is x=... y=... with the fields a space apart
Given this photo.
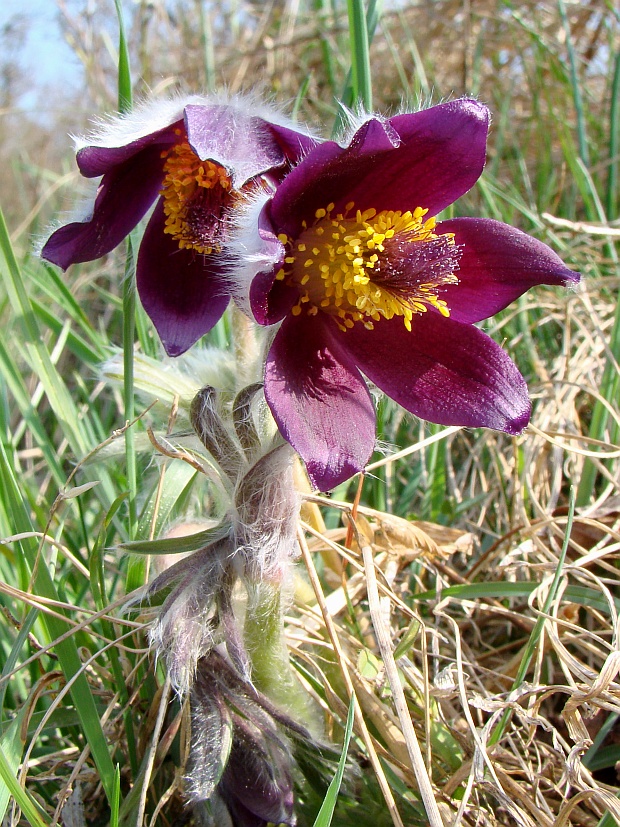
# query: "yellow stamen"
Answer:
x=197 y=197
x=362 y=269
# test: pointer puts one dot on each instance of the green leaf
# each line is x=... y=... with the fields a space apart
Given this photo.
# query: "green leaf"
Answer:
x=177 y=545
x=326 y=813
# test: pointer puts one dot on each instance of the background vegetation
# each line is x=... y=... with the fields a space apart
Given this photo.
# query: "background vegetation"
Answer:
x=503 y=590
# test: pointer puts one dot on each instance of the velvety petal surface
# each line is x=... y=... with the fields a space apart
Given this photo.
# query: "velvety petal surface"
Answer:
x=270 y=300
x=423 y=159
x=443 y=371
x=498 y=264
x=185 y=293
x=256 y=783
x=319 y=400
x=246 y=145
x=228 y=136
x=123 y=198
x=94 y=161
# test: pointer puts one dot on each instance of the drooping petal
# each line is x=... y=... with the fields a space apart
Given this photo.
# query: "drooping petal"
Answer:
x=425 y=159
x=185 y=293
x=94 y=160
x=498 y=264
x=123 y=198
x=319 y=400
x=246 y=145
x=443 y=371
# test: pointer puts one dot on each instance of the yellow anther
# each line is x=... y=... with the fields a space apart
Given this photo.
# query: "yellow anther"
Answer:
x=196 y=198
x=358 y=269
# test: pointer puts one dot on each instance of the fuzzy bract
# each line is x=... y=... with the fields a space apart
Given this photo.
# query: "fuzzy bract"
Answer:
x=241 y=760
x=352 y=260
x=197 y=160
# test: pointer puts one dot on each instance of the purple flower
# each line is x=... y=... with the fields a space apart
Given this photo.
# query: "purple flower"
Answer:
x=366 y=281
x=197 y=160
x=241 y=760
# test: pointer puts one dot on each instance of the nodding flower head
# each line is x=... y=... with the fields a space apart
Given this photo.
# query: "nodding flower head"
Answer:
x=364 y=277
x=197 y=160
x=241 y=760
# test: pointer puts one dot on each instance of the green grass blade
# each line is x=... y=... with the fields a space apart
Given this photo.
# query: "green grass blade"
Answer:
x=56 y=391
x=124 y=71
x=129 y=332
x=66 y=649
x=537 y=631
x=326 y=813
x=361 y=62
x=176 y=545
x=361 y=74
x=12 y=787
x=12 y=746
x=611 y=201
x=15 y=383
x=582 y=139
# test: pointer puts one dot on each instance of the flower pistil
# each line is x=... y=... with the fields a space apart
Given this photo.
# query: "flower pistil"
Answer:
x=364 y=266
x=197 y=196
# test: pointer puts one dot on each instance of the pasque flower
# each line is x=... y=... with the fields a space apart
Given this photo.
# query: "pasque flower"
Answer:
x=197 y=159
x=351 y=258
x=241 y=761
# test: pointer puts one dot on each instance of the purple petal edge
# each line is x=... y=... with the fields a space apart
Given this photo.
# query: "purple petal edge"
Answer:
x=319 y=400
x=498 y=264
x=443 y=371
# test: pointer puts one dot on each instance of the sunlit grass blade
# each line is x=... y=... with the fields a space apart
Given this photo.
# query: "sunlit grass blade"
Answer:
x=537 y=631
x=124 y=70
x=66 y=648
x=326 y=813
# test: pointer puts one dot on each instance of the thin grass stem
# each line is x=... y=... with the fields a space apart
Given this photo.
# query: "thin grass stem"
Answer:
x=538 y=629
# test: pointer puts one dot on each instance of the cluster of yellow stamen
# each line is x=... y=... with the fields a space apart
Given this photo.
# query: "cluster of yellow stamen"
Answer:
x=347 y=265
x=197 y=196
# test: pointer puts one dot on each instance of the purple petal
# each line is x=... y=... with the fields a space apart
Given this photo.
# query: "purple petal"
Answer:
x=94 y=161
x=295 y=145
x=185 y=293
x=498 y=264
x=247 y=146
x=123 y=198
x=423 y=159
x=270 y=300
x=443 y=371
x=257 y=785
x=319 y=400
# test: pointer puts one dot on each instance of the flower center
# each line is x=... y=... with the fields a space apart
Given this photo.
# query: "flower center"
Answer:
x=365 y=266
x=197 y=198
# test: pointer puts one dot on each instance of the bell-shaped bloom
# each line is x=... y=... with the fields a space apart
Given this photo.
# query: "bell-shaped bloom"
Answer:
x=241 y=760
x=197 y=160
x=351 y=258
